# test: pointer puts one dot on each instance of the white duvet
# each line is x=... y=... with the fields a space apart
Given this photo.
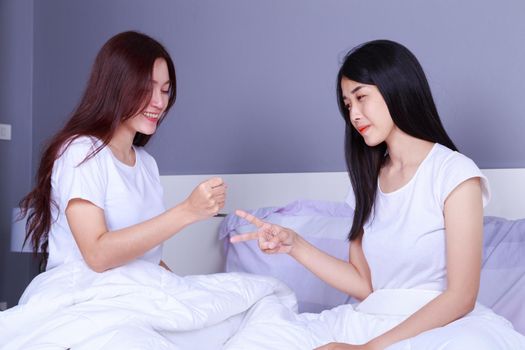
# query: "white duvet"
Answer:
x=142 y=306
x=137 y=306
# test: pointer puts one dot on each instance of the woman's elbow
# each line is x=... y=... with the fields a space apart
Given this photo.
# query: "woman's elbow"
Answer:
x=363 y=292
x=466 y=302
x=470 y=303
x=96 y=263
x=97 y=267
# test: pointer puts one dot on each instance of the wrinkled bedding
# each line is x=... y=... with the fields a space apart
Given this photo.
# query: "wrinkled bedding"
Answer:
x=143 y=306
x=137 y=306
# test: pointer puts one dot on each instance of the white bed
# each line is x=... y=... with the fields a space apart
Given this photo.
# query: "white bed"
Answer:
x=141 y=305
x=196 y=250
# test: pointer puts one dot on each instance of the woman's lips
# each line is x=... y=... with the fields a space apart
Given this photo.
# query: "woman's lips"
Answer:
x=152 y=117
x=153 y=120
x=362 y=129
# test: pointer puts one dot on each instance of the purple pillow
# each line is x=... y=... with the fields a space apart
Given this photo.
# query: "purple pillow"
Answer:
x=324 y=224
x=502 y=285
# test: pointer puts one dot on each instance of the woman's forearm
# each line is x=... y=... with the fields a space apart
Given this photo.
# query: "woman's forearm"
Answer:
x=120 y=246
x=446 y=308
x=108 y=249
x=340 y=274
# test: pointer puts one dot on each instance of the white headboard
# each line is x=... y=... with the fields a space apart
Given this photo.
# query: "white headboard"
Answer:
x=196 y=249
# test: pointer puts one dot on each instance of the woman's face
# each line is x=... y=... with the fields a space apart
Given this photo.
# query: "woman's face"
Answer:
x=367 y=111
x=146 y=121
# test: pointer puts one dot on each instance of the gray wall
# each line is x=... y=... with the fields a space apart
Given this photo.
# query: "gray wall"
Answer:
x=256 y=78
x=16 y=76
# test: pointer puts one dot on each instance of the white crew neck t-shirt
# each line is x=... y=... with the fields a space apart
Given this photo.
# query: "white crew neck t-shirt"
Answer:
x=127 y=194
x=404 y=238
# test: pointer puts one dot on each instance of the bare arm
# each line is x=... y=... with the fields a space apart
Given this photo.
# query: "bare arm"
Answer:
x=103 y=250
x=464 y=237
x=351 y=277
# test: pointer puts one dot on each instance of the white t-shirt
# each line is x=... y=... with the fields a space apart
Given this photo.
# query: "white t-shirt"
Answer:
x=404 y=238
x=127 y=194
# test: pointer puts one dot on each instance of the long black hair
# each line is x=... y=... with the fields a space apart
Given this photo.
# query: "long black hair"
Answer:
x=396 y=72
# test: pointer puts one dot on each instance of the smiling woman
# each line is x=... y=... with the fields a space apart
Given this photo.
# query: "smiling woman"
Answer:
x=98 y=197
x=145 y=122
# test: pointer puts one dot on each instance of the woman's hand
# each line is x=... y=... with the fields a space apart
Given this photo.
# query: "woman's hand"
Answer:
x=207 y=198
x=271 y=238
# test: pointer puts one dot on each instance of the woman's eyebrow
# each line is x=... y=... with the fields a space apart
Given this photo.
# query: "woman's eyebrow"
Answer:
x=356 y=89
x=156 y=82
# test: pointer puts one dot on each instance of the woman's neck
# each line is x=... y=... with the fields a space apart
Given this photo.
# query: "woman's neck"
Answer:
x=406 y=151
x=121 y=144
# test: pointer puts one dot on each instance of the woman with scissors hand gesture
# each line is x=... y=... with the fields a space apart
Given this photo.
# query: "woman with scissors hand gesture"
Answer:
x=417 y=232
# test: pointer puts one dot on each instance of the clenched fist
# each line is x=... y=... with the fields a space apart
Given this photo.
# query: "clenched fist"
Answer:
x=207 y=198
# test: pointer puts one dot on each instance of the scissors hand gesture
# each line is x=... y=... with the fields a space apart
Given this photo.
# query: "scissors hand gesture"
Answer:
x=271 y=238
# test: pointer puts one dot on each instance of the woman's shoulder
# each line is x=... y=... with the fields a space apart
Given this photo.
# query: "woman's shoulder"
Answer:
x=82 y=142
x=78 y=148
x=452 y=168
x=446 y=157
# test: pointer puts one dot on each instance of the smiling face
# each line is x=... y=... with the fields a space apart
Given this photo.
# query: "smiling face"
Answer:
x=367 y=111
x=146 y=121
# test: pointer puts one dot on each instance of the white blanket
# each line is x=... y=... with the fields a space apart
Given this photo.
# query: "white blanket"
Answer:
x=142 y=306
x=137 y=306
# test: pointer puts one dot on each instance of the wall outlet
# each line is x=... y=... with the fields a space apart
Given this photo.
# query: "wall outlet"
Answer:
x=5 y=131
x=3 y=305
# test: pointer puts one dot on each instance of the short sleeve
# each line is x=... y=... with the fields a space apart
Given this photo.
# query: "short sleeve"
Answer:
x=456 y=169
x=76 y=178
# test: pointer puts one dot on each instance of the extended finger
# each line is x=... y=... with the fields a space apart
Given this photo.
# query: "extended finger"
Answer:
x=244 y=237
x=250 y=218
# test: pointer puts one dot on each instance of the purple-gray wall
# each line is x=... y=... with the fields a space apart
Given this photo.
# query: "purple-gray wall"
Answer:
x=256 y=79
x=16 y=77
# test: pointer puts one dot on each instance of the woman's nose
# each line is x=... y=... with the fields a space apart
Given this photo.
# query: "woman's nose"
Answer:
x=355 y=114
x=156 y=99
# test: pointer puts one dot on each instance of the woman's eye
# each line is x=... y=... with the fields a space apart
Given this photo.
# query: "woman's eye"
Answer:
x=165 y=92
x=360 y=97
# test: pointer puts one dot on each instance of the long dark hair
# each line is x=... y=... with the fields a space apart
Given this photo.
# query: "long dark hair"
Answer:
x=119 y=87
x=396 y=72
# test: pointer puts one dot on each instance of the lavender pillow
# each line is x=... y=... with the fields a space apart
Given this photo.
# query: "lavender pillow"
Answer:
x=324 y=224
x=503 y=271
